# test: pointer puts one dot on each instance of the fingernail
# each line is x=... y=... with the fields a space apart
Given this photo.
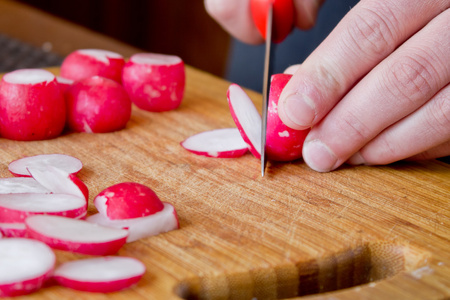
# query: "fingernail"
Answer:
x=319 y=156
x=300 y=110
x=356 y=159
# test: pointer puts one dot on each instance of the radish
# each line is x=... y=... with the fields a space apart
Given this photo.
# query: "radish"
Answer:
x=64 y=162
x=60 y=182
x=84 y=63
x=154 y=82
x=15 y=208
x=127 y=200
x=64 y=83
x=282 y=143
x=75 y=235
x=17 y=185
x=101 y=274
x=32 y=105
x=247 y=118
x=25 y=265
x=97 y=105
x=222 y=143
x=138 y=228
x=13 y=229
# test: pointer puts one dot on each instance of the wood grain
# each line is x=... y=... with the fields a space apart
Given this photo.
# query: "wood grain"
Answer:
x=355 y=233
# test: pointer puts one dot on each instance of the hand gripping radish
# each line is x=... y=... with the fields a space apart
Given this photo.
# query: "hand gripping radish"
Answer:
x=101 y=274
x=25 y=265
x=32 y=105
x=64 y=162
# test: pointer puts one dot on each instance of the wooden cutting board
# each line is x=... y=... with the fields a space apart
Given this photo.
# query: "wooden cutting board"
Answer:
x=355 y=233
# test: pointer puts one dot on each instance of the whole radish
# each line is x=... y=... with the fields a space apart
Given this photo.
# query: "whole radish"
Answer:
x=32 y=105
x=97 y=105
x=154 y=82
x=84 y=63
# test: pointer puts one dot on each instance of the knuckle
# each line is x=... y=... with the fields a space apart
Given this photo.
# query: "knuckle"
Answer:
x=355 y=130
x=438 y=115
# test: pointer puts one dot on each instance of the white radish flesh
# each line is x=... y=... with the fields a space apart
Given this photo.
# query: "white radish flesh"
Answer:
x=221 y=143
x=25 y=265
x=100 y=274
x=247 y=118
x=76 y=235
x=15 y=208
x=17 y=185
x=67 y=163
x=13 y=229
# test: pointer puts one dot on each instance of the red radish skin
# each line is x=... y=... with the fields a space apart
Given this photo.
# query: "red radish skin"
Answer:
x=25 y=265
x=64 y=162
x=85 y=63
x=139 y=228
x=246 y=117
x=282 y=143
x=127 y=200
x=32 y=105
x=77 y=236
x=220 y=143
x=101 y=274
x=19 y=185
x=155 y=82
x=15 y=208
x=97 y=105
x=13 y=230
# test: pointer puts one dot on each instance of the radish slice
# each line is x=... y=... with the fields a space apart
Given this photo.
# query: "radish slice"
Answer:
x=222 y=143
x=15 y=208
x=60 y=182
x=64 y=162
x=24 y=266
x=13 y=229
x=100 y=274
x=76 y=235
x=138 y=228
x=16 y=185
x=127 y=200
x=247 y=118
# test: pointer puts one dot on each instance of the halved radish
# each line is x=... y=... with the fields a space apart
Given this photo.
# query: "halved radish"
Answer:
x=138 y=228
x=17 y=185
x=127 y=200
x=64 y=162
x=101 y=274
x=154 y=82
x=32 y=105
x=247 y=118
x=223 y=143
x=25 y=265
x=13 y=229
x=84 y=63
x=75 y=235
x=60 y=182
x=15 y=208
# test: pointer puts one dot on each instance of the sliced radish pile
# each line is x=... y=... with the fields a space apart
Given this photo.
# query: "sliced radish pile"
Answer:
x=138 y=228
x=223 y=143
x=64 y=162
x=101 y=275
x=15 y=208
x=127 y=200
x=247 y=118
x=13 y=229
x=76 y=235
x=24 y=266
x=16 y=185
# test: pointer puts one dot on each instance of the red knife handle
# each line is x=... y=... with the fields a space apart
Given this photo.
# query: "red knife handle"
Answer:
x=283 y=17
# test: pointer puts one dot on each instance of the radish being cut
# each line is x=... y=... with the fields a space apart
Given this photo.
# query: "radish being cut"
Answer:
x=32 y=105
x=59 y=181
x=75 y=235
x=100 y=274
x=282 y=142
x=25 y=265
x=97 y=105
x=15 y=208
x=64 y=162
x=138 y=228
x=222 y=143
x=13 y=229
x=17 y=185
x=85 y=63
x=154 y=82
x=247 y=118
x=127 y=200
